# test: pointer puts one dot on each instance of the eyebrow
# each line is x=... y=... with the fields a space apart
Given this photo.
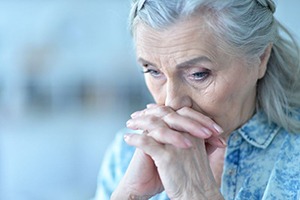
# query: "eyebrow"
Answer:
x=141 y=60
x=191 y=62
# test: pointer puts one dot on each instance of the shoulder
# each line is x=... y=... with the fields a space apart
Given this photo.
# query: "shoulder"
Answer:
x=290 y=147
x=284 y=181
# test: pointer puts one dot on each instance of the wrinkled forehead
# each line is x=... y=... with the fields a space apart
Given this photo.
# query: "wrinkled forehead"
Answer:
x=181 y=26
x=192 y=28
x=184 y=29
x=191 y=34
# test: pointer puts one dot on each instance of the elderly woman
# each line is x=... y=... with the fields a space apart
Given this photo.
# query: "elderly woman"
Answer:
x=225 y=78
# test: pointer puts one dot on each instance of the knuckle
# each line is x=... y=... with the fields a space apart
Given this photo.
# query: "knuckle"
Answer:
x=143 y=112
x=152 y=119
x=164 y=110
x=143 y=140
x=184 y=110
x=194 y=124
x=158 y=132
x=170 y=115
x=206 y=118
x=161 y=130
x=177 y=137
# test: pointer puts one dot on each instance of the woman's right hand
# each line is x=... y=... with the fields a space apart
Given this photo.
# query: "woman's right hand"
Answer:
x=141 y=179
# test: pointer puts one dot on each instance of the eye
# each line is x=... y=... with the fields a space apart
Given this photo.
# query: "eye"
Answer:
x=154 y=73
x=199 y=76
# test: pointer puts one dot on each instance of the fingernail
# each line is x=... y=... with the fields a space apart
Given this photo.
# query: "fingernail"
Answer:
x=218 y=128
x=133 y=115
x=188 y=142
x=128 y=123
x=150 y=105
x=223 y=141
x=126 y=137
x=207 y=131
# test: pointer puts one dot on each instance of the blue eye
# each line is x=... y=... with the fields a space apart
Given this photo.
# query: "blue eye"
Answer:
x=152 y=72
x=198 y=76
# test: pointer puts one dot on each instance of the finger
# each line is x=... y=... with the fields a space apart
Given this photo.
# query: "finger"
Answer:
x=169 y=136
x=175 y=121
x=153 y=109
x=184 y=124
x=201 y=118
x=146 y=143
x=217 y=142
x=187 y=120
x=152 y=105
x=159 y=130
x=213 y=143
x=145 y=123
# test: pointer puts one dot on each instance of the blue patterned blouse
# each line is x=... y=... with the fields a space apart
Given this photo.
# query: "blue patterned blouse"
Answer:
x=262 y=161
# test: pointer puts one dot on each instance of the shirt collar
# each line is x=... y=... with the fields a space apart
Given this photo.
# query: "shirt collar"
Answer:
x=258 y=131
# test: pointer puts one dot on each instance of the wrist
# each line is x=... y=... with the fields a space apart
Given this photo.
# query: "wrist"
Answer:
x=136 y=197
x=203 y=195
x=127 y=194
x=118 y=196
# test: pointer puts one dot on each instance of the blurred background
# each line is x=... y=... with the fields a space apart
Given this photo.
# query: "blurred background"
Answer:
x=68 y=83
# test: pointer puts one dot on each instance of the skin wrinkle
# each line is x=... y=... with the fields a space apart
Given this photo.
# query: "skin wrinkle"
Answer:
x=159 y=49
x=165 y=37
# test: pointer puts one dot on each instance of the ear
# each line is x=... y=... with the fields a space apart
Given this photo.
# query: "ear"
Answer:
x=264 y=59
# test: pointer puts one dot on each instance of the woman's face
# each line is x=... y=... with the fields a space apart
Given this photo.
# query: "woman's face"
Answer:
x=185 y=67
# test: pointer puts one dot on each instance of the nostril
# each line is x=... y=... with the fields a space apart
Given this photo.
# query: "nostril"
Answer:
x=179 y=102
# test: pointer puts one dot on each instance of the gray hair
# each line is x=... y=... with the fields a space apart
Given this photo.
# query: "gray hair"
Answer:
x=246 y=27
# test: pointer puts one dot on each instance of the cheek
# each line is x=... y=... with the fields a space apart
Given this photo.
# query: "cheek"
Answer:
x=157 y=93
x=215 y=102
x=222 y=100
x=233 y=105
x=233 y=88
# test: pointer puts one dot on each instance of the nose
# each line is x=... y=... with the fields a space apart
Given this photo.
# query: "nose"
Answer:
x=177 y=96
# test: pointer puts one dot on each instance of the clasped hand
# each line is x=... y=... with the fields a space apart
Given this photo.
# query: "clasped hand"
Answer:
x=171 y=155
